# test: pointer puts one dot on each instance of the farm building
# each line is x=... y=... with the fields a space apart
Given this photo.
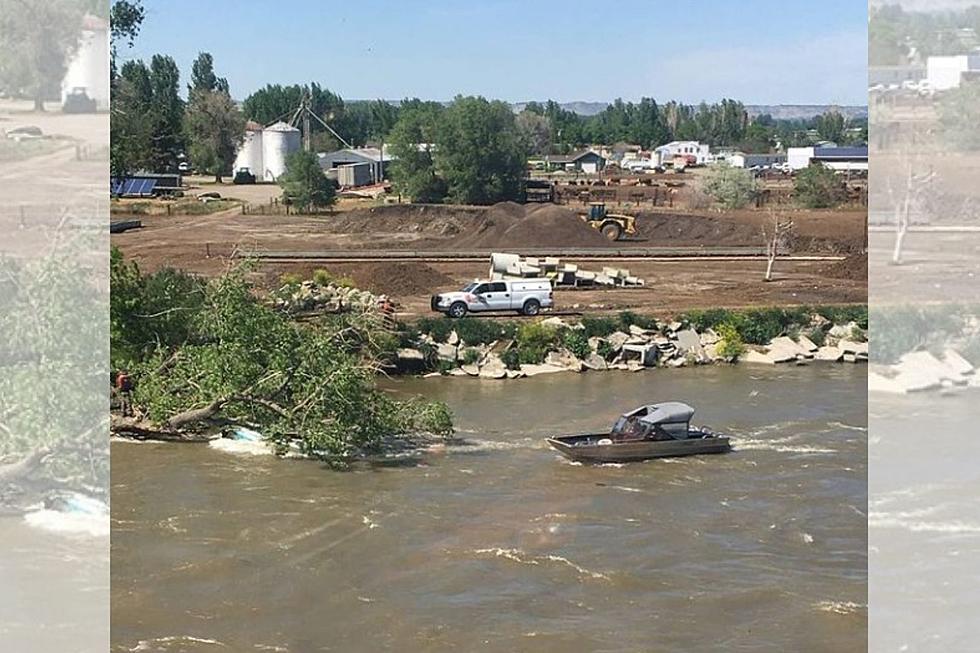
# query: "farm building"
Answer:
x=370 y=166
x=837 y=158
x=700 y=151
x=743 y=160
x=585 y=161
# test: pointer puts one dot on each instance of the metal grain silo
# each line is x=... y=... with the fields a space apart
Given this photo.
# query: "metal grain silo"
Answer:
x=279 y=140
x=250 y=151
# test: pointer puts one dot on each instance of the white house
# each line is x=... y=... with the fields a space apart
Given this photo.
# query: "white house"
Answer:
x=743 y=160
x=666 y=153
x=840 y=159
x=88 y=68
x=944 y=73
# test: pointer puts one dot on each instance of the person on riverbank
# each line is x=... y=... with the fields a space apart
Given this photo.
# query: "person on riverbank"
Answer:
x=124 y=390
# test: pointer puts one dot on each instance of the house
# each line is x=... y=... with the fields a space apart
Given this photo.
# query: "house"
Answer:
x=743 y=160
x=944 y=73
x=700 y=151
x=372 y=157
x=837 y=158
x=586 y=161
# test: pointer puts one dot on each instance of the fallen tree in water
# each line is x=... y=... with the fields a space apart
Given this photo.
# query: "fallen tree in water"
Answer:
x=213 y=357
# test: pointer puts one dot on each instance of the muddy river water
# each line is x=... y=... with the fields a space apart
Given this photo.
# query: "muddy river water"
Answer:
x=501 y=545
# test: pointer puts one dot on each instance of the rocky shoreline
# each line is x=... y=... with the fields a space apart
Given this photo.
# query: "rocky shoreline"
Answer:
x=668 y=345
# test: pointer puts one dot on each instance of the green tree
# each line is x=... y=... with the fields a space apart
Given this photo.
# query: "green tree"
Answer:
x=831 y=126
x=165 y=115
x=304 y=184
x=733 y=188
x=245 y=363
x=479 y=152
x=131 y=133
x=819 y=187
x=37 y=39
x=412 y=141
x=215 y=128
x=203 y=77
x=125 y=19
x=535 y=130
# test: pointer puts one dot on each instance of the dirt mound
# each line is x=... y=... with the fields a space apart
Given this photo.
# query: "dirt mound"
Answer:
x=854 y=267
x=425 y=219
x=400 y=278
x=677 y=229
x=509 y=225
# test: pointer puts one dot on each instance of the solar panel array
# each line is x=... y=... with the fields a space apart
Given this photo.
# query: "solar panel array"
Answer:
x=132 y=186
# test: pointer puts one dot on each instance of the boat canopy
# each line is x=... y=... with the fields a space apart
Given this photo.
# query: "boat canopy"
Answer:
x=669 y=412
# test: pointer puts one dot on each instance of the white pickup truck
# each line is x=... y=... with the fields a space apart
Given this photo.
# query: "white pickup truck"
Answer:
x=526 y=296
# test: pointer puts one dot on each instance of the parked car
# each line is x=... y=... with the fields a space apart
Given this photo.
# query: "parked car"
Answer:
x=526 y=296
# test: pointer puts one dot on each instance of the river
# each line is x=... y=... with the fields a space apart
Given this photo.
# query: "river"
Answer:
x=500 y=544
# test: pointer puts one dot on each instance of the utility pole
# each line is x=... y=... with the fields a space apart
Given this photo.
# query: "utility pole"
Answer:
x=306 y=123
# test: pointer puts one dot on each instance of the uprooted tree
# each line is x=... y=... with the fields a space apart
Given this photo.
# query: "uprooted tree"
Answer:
x=231 y=360
x=52 y=374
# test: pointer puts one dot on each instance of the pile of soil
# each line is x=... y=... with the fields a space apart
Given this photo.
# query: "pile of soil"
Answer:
x=854 y=267
x=426 y=219
x=681 y=230
x=399 y=279
x=509 y=225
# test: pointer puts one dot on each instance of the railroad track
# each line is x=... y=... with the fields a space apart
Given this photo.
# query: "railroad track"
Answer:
x=597 y=254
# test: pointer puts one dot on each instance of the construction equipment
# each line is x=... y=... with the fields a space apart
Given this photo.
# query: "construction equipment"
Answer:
x=243 y=176
x=613 y=226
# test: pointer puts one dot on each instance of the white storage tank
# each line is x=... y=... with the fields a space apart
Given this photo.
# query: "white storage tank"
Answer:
x=87 y=69
x=279 y=140
x=250 y=152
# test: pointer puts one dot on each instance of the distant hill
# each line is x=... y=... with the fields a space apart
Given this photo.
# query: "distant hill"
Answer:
x=778 y=111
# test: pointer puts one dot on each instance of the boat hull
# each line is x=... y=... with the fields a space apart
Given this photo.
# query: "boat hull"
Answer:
x=580 y=449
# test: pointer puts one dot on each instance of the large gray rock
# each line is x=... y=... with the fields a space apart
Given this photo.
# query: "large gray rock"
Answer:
x=447 y=352
x=689 y=344
x=596 y=362
x=535 y=370
x=453 y=338
x=807 y=345
x=471 y=370
x=709 y=337
x=617 y=340
x=563 y=358
x=852 y=347
x=756 y=357
x=493 y=368
x=832 y=354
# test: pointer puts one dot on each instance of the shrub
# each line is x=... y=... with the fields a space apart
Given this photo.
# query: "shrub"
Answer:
x=576 y=343
x=819 y=187
x=290 y=279
x=629 y=318
x=599 y=326
x=733 y=188
x=534 y=341
x=731 y=345
x=511 y=358
x=817 y=337
x=474 y=331
x=321 y=277
x=471 y=356
x=606 y=350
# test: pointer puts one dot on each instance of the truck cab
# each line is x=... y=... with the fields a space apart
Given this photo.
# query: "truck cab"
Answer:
x=526 y=296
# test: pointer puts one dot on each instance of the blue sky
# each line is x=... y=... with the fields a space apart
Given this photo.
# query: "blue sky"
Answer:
x=757 y=51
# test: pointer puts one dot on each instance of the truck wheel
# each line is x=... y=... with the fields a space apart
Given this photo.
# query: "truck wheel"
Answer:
x=611 y=231
x=532 y=307
x=457 y=309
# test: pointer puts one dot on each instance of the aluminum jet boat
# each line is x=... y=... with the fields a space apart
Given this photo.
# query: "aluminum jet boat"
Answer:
x=652 y=431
